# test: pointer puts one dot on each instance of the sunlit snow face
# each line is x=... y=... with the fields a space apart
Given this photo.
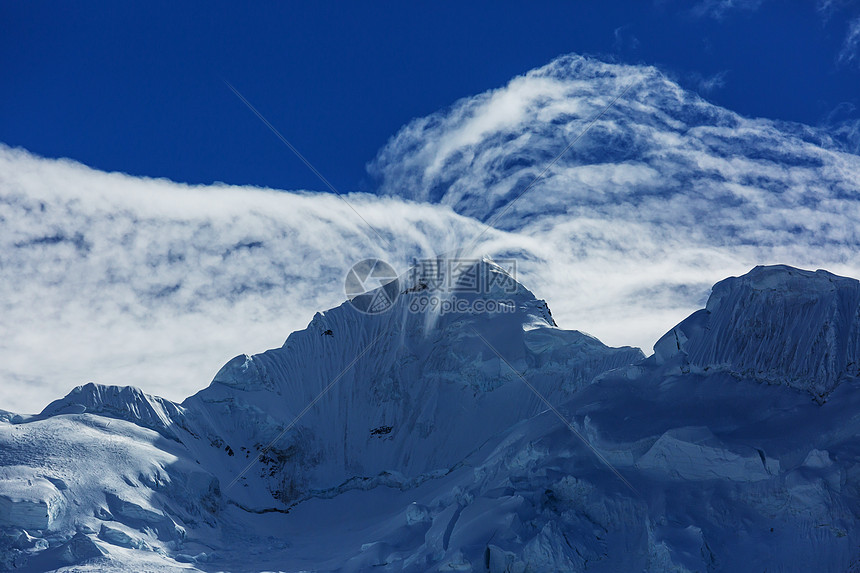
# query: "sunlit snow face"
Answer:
x=122 y=280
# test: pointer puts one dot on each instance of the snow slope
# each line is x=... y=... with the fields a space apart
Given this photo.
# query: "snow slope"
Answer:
x=732 y=448
x=776 y=324
x=424 y=392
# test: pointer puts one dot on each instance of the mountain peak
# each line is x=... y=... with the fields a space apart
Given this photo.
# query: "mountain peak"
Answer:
x=776 y=324
x=791 y=282
x=415 y=387
x=121 y=402
x=444 y=424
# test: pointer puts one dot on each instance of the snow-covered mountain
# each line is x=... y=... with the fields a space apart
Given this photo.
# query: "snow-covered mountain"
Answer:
x=418 y=441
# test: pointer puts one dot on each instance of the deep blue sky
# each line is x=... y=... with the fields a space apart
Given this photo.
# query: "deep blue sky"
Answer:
x=137 y=86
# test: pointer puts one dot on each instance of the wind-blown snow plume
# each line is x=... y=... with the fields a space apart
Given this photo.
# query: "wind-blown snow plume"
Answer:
x=117 y=279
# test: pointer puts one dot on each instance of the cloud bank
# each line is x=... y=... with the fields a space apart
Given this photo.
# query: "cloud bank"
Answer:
x=663 y=196
x=123 y=280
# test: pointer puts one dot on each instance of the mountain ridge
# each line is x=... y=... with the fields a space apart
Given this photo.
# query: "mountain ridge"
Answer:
x=435 y=441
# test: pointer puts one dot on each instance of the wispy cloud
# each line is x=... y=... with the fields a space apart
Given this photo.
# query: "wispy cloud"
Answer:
x=828 y=8
x=842 y=123
x=624 y=40
x=825 y=8
x=850 y=45
x=720 y=8
x=708 y=84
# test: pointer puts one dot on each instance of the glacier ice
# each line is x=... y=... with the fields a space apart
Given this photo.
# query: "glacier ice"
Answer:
x=737 y=435
x=776 y=324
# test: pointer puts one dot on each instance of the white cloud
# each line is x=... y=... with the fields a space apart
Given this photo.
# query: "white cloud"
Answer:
x=825 y=8
x=623 y=40
x=710 y=83
x=666 y=194
x=719 y=8
x=123 y=280
x=828 y=8
x=839 y=12
x=126 y=280
x=851 y=43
